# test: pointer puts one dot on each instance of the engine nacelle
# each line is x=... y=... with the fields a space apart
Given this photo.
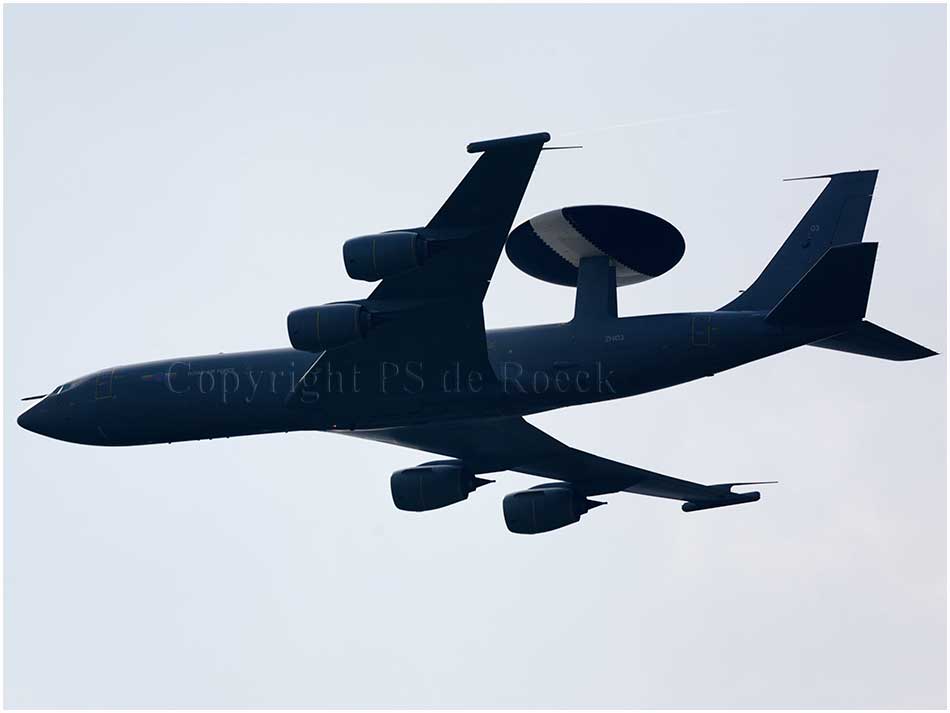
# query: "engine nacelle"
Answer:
x=433 y=485
x=314 y=329
x=544 y=508
x=375 y=257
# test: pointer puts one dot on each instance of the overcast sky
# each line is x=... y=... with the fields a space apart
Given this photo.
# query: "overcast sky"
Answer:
x=178 y=178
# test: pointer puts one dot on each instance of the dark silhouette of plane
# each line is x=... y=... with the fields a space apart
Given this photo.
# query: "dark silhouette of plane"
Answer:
x=412 y=364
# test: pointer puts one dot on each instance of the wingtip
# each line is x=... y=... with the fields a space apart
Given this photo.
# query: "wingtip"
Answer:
x=832 y=175
x=508 y=142
x=921 y=352
x=732 y=499
x=730 y=486
x=806 y=178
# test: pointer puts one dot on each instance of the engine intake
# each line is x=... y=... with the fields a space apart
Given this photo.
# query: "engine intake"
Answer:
x=375 y=257
x=433 y=485
x=544 y=508
x=314 y=329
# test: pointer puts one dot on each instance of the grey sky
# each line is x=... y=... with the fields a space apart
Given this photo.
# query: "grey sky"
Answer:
x=178 y=178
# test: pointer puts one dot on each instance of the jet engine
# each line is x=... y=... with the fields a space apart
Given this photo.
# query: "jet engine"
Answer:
x=433 y=485
x=374 y=257
x=544 y=508
x=314 y=329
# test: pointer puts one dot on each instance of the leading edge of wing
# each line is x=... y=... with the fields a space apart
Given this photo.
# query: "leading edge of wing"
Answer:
x=511 y=443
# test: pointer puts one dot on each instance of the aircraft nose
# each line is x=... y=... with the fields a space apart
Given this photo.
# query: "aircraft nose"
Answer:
x=73 y=423
x=31 y=420
x=42 y=419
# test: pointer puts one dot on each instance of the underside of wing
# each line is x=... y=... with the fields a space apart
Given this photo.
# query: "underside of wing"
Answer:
x=511 y=443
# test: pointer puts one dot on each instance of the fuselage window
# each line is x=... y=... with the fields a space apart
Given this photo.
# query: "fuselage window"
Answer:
x=104 y=384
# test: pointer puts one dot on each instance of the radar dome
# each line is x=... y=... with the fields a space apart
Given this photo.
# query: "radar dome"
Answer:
x=550 y=246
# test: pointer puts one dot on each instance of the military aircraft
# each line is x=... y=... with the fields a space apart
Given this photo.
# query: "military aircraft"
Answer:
x=413 y=365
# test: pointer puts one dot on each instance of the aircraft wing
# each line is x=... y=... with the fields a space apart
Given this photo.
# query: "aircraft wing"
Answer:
x=470 y=229
x=511 y=443
x=431 y=315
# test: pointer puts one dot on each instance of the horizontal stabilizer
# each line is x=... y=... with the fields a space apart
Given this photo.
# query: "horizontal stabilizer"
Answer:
x=870 y=340
x=834 y=291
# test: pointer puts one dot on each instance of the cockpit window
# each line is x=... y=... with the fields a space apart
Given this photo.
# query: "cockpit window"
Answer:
x=64 y=387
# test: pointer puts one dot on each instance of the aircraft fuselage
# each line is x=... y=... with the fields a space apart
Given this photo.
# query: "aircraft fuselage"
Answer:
x=535 y=368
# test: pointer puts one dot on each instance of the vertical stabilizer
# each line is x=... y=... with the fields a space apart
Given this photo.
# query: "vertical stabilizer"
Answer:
x=837 y=217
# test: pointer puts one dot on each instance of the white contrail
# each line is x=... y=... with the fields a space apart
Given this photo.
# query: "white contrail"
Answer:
x=646 y=122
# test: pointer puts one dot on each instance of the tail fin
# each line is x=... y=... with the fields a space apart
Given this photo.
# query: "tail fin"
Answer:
x=834 y=291
x=870 y=340
x=837 y=217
